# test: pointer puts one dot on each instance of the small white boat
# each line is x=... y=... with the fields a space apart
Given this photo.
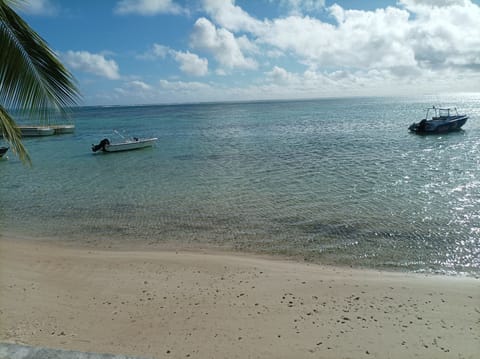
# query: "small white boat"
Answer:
x=134 y=143
x=35 y=131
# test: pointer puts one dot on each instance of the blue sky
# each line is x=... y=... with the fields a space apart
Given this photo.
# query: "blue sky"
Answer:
x=125 y=52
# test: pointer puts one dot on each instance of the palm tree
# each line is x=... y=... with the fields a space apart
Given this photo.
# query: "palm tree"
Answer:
x=33 y=82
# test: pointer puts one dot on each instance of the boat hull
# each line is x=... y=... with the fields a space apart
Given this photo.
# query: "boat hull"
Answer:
x=119 y=147
x=129 y=145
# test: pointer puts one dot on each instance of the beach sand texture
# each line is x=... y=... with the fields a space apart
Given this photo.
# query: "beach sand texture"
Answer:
x=167 y=304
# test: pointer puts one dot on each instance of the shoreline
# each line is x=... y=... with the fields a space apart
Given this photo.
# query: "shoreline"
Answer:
x=204 y=304
x=201 y=247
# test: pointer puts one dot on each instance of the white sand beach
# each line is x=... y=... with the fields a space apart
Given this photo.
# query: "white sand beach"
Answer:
x=164 y=304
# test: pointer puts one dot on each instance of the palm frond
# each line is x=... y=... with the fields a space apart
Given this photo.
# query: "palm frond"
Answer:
x=32 y=79
x=33 y=82
x=11 y=133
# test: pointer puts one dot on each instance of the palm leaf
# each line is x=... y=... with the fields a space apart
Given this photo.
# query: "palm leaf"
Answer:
x=32 y=79
x=11 y=133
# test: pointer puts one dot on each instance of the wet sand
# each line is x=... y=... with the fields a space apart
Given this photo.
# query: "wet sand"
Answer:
x=164 y=304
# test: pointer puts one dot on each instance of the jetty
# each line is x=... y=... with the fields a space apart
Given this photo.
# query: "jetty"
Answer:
x=36 y=131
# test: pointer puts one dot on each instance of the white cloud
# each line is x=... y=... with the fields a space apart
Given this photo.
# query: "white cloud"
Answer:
x=232 y=17
x=280 y=75
x=139 y=85
x=222 y=44
x=40 y=7
x=181 y=86
x=443 y=36
x=302 y=6
x=157 y=51
x=92 y=63
x=190 y=63
x=310 y=84
x=360 y=38
x=297 y=84
x=147 y=7
x=418 y=4
x=160 y=51
x=419 y=34
x=132 y=92
x=446 y=35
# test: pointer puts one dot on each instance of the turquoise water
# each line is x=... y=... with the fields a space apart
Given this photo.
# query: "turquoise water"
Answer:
x=337 y=181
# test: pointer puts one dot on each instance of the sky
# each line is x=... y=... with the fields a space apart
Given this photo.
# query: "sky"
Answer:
x=130 y=52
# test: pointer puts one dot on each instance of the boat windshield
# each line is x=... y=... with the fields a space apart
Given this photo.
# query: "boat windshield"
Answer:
x=443 y=112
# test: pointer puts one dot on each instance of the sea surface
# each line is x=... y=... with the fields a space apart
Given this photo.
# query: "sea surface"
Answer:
x=336 y=181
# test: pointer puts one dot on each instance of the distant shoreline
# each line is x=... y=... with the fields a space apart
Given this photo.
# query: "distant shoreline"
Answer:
x=276 y=100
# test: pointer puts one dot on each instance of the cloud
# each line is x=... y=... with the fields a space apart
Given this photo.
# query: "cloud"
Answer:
x=190 y=63
x=181 y=86
x=445 y=35
x=418 y=4
x=280 y=75
x=138 y=92
x=302 y=6
x=157 y=51
x=147 y=7
x=92 y=63
x=359 y=39
x=232 y=17
x=138 y=85
x=160 y=51
x=280 y=83
x=417 y=34
x=132 y=92
x=40 y=7
x=223 y=45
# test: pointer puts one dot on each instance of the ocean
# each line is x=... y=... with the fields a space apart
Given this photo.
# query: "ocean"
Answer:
x=334 y=181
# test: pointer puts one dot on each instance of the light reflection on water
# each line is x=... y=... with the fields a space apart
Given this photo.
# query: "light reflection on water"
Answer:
x=337 y=181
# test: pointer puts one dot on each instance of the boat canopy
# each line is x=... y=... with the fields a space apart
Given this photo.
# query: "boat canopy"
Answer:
x=440 y=112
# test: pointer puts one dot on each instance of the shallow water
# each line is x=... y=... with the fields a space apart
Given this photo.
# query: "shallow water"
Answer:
x=337 y=181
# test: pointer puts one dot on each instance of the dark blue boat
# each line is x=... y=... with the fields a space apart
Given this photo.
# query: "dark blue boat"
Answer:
x=442 y=121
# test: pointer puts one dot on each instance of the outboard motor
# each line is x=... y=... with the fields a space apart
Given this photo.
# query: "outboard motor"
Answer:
x=101 y=145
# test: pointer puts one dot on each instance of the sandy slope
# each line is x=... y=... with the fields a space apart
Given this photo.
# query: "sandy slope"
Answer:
x=194 y=305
